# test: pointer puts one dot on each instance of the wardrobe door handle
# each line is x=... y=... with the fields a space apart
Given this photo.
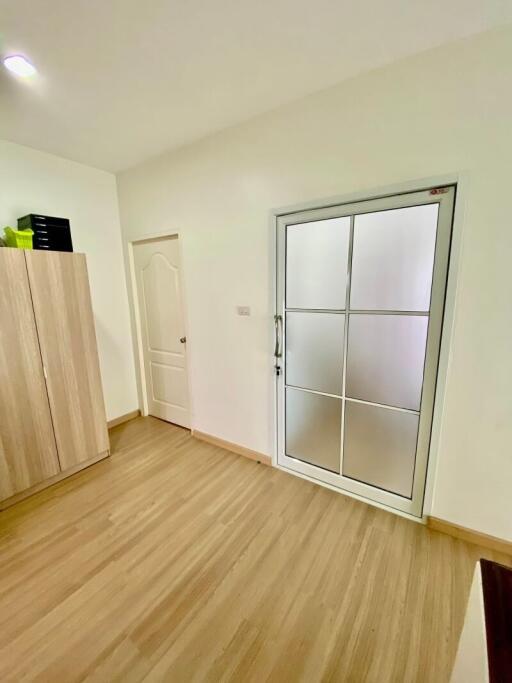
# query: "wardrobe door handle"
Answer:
x=183 y=340
x=278 y=322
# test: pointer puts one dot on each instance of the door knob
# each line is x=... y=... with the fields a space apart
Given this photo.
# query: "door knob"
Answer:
x=183 y=340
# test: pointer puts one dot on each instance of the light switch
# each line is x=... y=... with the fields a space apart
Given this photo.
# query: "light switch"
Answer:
x=243 y=310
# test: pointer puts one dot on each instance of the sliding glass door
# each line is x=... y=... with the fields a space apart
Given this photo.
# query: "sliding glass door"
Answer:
x=360 y=296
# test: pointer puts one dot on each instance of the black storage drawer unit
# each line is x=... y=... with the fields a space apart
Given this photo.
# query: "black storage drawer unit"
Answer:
x=49 y=232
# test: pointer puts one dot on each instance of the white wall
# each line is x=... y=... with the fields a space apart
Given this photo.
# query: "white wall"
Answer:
x=35 y=182
x=445 y=111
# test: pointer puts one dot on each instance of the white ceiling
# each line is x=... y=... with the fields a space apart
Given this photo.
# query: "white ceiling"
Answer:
x=123 y=80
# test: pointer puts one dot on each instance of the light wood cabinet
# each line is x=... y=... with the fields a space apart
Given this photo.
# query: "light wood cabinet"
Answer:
x=52 y=415
x=62 y=306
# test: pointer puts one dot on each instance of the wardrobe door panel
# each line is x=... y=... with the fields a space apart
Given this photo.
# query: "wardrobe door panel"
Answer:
x=28 y=454
x=65 y=323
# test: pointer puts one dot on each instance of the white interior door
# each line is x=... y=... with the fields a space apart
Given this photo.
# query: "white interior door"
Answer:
x=159 y=293
x=360 y=297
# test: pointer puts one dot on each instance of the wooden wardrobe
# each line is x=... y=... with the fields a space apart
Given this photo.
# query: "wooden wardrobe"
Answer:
x=52 y=414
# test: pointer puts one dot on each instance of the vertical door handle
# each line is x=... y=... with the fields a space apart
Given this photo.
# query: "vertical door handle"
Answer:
x=278 y=322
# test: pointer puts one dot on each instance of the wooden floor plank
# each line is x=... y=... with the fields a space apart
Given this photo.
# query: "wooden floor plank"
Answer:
x=176 y=560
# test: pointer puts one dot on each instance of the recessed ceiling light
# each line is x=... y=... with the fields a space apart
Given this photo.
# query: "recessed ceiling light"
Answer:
x=19 y=65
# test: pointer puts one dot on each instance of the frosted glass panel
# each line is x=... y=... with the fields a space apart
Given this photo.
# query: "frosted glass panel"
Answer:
x=316 y=264
x=380 y=447
x=314 y=350
x=393 y=258
x=386 y=355
x=313 y=427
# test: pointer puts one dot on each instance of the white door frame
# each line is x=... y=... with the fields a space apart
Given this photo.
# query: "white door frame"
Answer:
x=461 y=180
x=140 y=370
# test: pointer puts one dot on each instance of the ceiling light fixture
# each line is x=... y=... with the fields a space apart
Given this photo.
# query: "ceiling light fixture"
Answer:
x=19 y=65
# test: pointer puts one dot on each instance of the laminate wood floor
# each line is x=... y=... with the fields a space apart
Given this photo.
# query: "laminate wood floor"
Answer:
x=175 y=560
